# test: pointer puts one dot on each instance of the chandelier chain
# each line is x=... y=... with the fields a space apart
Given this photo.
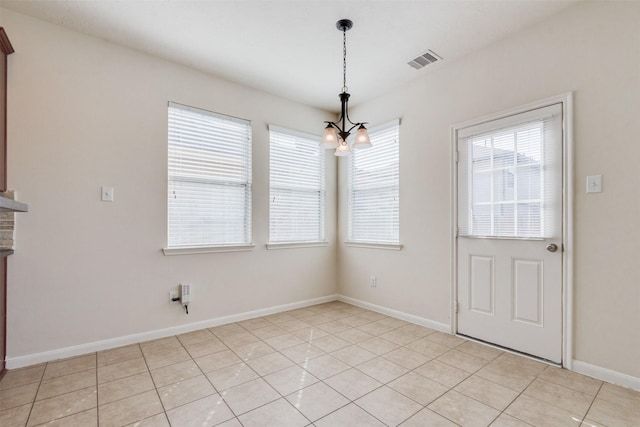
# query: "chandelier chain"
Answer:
x=344 y=60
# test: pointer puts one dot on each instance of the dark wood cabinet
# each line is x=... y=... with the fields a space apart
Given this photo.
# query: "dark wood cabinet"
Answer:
x=5 y=50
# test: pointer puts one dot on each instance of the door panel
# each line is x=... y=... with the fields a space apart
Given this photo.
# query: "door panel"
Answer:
x=481 y=284
x=527 y=285
x=526 y=314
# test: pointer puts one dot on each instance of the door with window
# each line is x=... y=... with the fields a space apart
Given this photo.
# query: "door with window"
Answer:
x=509 y=240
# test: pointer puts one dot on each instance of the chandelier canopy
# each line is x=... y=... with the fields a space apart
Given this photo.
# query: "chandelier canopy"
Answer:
x=336 y=133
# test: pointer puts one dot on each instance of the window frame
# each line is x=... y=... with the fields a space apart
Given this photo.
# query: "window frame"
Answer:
x=277 y=136
x=353 y=158
x=244 y=180
x=540 y=118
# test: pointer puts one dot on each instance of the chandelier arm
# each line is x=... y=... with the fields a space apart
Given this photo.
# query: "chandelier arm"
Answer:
x=349 y=120
x=342 y=130
x=354 y=125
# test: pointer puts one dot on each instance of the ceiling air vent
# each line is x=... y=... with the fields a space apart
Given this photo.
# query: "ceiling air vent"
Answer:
x=425 y=59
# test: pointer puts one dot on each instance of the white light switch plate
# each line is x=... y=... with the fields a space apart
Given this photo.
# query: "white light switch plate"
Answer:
x=107 y=194
x=594 y=184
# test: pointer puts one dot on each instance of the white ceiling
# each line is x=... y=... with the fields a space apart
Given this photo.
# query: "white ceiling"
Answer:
x=292 y=48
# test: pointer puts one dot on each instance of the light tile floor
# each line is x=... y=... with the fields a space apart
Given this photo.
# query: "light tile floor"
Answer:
x=327 y=365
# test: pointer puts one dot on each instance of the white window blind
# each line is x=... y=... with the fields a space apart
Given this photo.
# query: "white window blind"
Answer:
x=374 y=188
x=296 y=187
x=506 y=185
x=209 y=178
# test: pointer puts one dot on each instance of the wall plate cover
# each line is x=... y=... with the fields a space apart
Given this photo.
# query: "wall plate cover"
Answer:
x=594 y=184
x=107 y=194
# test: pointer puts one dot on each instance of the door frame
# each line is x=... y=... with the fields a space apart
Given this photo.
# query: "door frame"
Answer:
x=566 y=99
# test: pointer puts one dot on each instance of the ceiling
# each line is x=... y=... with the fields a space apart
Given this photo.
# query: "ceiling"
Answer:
x=292 y=48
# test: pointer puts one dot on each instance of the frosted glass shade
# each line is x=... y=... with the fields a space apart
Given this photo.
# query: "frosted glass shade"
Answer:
x=343 y=149
x=362 y=138
x=330 y=138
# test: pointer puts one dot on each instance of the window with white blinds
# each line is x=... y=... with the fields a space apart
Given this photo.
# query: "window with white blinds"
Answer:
x=296 y=187
x=374 y=188
x=506 y=182
x=209 y=178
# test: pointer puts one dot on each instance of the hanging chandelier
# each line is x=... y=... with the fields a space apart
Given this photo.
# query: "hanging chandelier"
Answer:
x=336 y=133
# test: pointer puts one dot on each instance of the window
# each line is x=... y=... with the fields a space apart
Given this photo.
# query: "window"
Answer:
x=374 y=187
x=209 y=179
x=296 y=187
x=506 y=181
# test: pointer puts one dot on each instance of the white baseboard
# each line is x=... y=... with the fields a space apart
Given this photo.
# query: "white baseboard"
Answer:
x=442 y=327
x=77 y=350
x=62 y=353
x=607 y=375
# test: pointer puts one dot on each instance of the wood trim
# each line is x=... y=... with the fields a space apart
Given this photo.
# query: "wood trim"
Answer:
x=3 y=119
x=3 y=278
x=5 y=44
x=5 y=49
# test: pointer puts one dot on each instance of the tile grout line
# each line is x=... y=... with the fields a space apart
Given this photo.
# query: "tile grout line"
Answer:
x=563 y=386
x=414 y=369
x=269 y=384
x=33 y=403
x=155 y=388
x=493 y=382
x=592 y=402
x=518 y=396
x=353 y=367
x=364 y=373
x=280 y=370
x=62 y=394
x=218 y=392
x=323 y=381
x=444 y=385
x=376 y=357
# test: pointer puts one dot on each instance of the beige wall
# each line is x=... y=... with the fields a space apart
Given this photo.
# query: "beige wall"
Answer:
x=592 y=49
x=85 y=113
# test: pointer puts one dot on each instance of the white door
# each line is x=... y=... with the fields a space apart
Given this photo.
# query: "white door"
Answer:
x=509 y=242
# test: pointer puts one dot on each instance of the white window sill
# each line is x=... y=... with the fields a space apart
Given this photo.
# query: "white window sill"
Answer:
x=293 y=245
x=188 y=250
x=388 y=246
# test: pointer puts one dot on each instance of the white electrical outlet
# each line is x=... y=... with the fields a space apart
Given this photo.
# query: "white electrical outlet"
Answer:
x=373 y=281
